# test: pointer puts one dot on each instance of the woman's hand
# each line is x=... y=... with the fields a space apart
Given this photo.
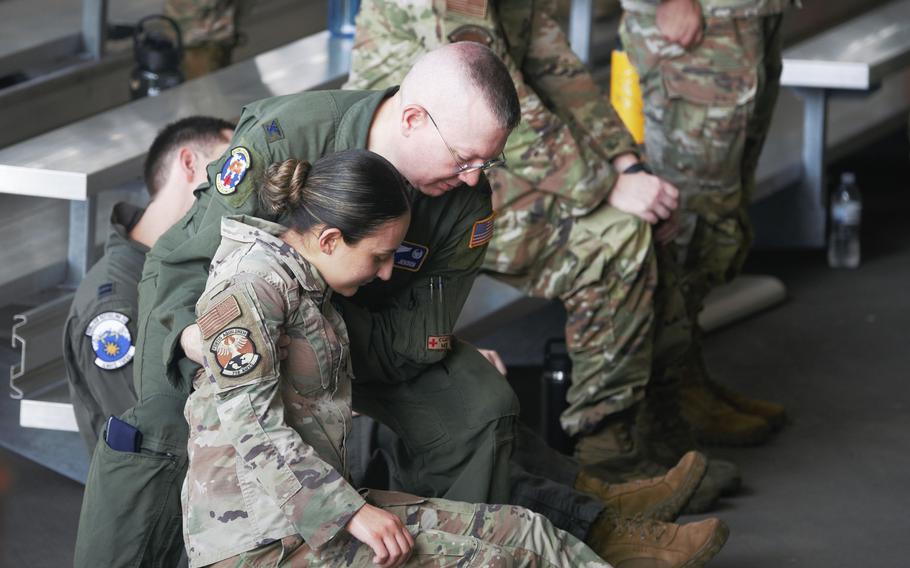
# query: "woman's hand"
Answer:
x=384 y=533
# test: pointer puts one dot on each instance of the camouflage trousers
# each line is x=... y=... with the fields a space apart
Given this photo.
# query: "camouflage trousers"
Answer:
x=446 y=533
x=603 y=268
x=707 y=113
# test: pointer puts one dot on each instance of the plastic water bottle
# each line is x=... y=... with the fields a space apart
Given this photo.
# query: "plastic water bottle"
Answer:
x=846 y=214
x=341 y=17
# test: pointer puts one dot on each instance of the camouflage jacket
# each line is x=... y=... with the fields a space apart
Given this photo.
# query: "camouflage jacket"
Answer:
x=568 y=133
x=266 y=436
x=719 y=8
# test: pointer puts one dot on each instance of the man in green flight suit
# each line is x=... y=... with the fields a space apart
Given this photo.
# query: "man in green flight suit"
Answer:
x=99 y=334
x=573 y=212
x=451 y=408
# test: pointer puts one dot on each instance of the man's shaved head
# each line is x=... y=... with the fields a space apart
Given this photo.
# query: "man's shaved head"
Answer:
x=448 y=77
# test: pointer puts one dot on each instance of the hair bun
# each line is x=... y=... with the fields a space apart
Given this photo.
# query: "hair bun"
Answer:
x=283 y=185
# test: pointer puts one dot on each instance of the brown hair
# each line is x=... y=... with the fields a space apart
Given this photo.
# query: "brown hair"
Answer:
x=354 y=191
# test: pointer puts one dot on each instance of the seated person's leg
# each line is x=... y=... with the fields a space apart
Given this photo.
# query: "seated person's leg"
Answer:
x=456 y=424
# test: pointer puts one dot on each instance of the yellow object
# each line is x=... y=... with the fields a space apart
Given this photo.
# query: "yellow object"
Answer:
x=625 y=94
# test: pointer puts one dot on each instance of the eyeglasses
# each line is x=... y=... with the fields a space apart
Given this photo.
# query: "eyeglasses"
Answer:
x=464 y=168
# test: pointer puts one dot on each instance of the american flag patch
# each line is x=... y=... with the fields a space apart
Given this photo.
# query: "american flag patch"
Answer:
x=473 y=8
x=212 y=321
x=482 y=232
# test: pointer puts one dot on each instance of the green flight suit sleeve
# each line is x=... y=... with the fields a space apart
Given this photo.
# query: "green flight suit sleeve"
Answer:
x=99 y=388
x=390 y=340
x=314 y=497
x=75 y=358
x=556 y=74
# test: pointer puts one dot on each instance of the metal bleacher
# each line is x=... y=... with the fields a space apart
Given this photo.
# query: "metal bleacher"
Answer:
x=81 y=161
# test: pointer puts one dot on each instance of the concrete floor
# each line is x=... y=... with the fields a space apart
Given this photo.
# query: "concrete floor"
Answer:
x=830 y=490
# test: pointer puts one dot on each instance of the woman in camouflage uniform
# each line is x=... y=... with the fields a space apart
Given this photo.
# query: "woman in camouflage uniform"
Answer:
x=267 y=481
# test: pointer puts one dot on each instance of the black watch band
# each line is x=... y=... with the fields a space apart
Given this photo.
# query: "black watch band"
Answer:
x=637 y=167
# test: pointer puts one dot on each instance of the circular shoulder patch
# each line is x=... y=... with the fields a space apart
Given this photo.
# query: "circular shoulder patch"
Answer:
x=233 y=171
x=235 y=352
x=111 y=340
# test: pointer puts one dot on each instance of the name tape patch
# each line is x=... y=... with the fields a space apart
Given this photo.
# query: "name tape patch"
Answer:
x=233 y=171
x=111 y=340
x=410 y=256
x=439 y=342
x=482 y=231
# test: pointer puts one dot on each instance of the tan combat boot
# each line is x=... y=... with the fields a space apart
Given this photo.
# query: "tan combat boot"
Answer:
x=659 y=498
x=716 y=422
x=773 y=413
x=614 y=452
x=639 y=543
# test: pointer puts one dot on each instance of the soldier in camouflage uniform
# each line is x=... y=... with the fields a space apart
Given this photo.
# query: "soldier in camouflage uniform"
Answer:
x=709 y=74
x=267 y=482
x=208 y=28
x=566 y=226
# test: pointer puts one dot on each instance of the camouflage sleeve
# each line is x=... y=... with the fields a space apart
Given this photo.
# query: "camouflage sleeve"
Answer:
x=413 y=328
x=391 y=36
x=556 y=74
x=240 y=328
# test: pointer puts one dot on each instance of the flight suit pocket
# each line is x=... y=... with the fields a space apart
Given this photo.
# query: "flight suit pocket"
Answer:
x=114 y=507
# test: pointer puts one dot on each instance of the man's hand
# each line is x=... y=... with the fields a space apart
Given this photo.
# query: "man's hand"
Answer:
x=384 y=533
x=191 y=342
x=646 y=196
x=680 y=21
x=494 y=359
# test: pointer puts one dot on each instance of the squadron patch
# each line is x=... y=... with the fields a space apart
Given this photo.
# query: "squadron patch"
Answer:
x=410 y=256
x=439 y=342
x=111 y=340
x=273 y=132
x=235 y=352
x=233 y=171
x=482 y=231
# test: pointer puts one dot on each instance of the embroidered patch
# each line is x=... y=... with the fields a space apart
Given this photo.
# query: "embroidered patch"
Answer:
x=439 y=342
x=111 y=340
x=472 y=8
x=482 y=232
x=235 y=352
x=273 y=132
x=224 y=312
x=233 y=171
x=105 y=289
x=410 y=256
